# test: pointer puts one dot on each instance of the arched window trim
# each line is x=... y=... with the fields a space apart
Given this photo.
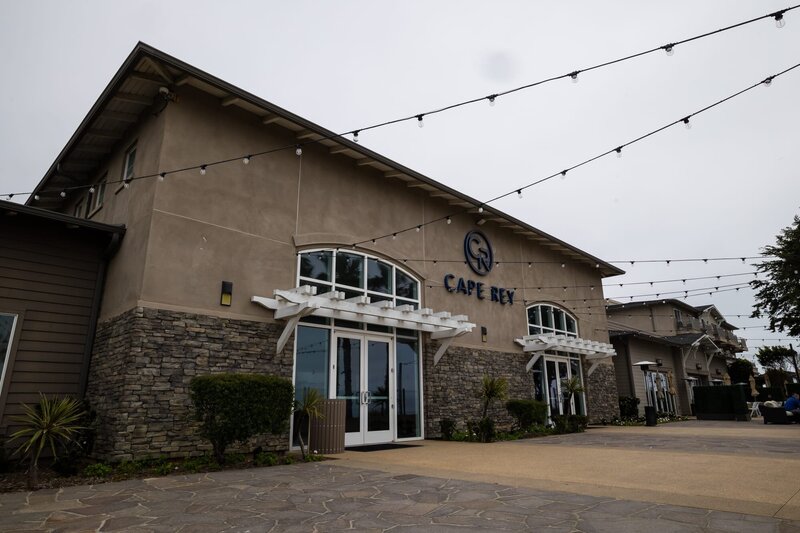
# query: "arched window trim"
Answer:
x=399 y=300
x=542 y=327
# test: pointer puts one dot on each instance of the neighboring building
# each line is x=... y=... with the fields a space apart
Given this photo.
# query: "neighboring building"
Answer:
x=51 y=277
x=401 y=327
x=691 y=346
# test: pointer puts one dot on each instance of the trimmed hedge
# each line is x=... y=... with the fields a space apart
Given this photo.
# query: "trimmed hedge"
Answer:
x=527 y=413
x=570 y=423
x=234 y=407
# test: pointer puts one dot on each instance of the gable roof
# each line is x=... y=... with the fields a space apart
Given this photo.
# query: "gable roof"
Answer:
x=134 y=89
x=649 y=303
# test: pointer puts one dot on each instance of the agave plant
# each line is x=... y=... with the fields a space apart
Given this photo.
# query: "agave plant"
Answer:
x=309 y=408
x=52 y=423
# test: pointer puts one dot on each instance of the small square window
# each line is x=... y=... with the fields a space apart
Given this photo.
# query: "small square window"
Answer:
x=78 y=211
x=130 y=159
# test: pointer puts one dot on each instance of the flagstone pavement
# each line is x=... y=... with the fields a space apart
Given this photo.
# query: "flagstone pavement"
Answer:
x=326 y=496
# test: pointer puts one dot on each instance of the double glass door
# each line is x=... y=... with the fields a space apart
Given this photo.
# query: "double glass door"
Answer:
x=361 y=372
x=557 y=372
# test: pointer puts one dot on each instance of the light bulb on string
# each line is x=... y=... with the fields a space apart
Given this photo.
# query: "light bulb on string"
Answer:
x=419 y=228
x=126 y=185
x=202 y=170
x=519 y=193
x=670 y=49
x=449 y=220
x=91 y=190
x=687 y=123
x=246 y=160
x=779 y=22
x=574 y=76
x=63 y=194
x=767 y=82
x=162 y=176
x=491 y=100
x=480 y=209
x=355 y=136
x=298 y=151
x=394 y=236
x=618 y=149
x=36 y=197
x=420 y=123
x=563 y=174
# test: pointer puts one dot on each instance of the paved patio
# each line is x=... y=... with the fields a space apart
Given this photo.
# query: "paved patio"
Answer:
x=736 y=477
x=327 y=497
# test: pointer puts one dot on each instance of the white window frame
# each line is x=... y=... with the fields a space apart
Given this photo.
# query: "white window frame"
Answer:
x=14 y=322
x=393 y=336
x=79 y=211
x=130 y=153
x=554 y=329
x=96 y=198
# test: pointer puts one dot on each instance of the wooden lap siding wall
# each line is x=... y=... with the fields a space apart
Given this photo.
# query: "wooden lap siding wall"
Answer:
x=50 y=271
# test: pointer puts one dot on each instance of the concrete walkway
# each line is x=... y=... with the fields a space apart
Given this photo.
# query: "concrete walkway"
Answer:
x=606 y=480
x=726 y=466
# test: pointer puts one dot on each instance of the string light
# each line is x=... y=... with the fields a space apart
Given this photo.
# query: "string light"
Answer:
x=449 y=220
x=419 y=228
x=63 y=194
x=355 y=136
x=480 y=209
x=768 y=82
x=574 y=76
x=202 y=170
x=91 y=190
x=246 y=160
x=687 y=123
x=420 y=123
x=519 y=193
x=778 y=16
x=126 y=184
x=491 y=99
x=563 y=174
x=618 y=149
x=779 y=22
x=298 y=151
x=669 y=49
x=161 y=176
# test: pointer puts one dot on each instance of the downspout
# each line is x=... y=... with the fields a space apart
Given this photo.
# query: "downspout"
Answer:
x=631 y=381
x=99 y=289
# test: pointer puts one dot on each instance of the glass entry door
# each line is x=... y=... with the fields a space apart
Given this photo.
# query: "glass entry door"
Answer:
x=361 y=371
x=557 y=371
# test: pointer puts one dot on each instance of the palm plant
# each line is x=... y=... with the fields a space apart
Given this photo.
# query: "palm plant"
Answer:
x=569 y=388
x=309 y=408
x=52 y=423
x=492 y=389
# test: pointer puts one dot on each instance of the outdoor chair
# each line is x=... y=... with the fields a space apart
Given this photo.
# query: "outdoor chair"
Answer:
x=753 y=406
x=776 y=415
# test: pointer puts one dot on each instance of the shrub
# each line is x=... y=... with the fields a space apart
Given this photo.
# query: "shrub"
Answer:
x=570 y=423
x=81 y=445
x=234 y=407
x=164 y=468
x=527 y=413
x=486 y=429
x=628 y=407
x=97 y=470
x=448 y=426
x=492 y=389
x=265 y=459
x=52 y=423
x=5 y=463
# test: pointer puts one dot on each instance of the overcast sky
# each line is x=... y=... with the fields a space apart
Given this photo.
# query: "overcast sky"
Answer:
x=724 y=188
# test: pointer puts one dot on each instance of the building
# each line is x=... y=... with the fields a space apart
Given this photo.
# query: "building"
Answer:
x=325 y=262
x=691 y=346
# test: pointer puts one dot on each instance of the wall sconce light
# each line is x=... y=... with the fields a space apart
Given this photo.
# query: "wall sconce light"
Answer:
x=699 y=366
x=484 y=333
x=226 y=295
x=660 y=362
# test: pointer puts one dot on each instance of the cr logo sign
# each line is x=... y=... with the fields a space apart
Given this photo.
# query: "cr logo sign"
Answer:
x=478 y=252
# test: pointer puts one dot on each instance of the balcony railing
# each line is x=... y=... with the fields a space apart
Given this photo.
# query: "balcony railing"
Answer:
x=717 y=333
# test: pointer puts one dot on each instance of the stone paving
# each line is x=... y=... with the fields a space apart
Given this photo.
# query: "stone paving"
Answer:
x=319 y=497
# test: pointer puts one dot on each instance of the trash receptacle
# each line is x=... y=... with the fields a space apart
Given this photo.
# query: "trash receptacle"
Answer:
x=650 y=416
x=327 y=432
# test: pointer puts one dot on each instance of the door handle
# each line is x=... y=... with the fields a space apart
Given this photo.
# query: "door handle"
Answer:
x=367 y=397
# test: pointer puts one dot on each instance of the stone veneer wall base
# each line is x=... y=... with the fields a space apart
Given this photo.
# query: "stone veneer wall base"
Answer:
x=141 y=367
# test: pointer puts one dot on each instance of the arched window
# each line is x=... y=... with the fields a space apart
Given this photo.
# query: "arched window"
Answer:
x=546 y=318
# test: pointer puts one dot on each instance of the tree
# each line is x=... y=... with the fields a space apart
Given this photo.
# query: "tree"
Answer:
x=492 y=389
x=570 y=387
x=778 y=296
x=778 y=357
x=740 y=370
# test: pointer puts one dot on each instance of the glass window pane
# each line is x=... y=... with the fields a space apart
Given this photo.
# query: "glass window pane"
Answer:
x=350 y=269
x=311 y=366
x=408 y=400
x=575 y=371
x=547 y=316
x=131 y=158
x=532 y=330
x=400 y=302
x=534 y=316
x=572 y=327
x=406 y=332
x=316 y=265
x=558 y=319
x=379 y=276
x=6 y=334
x=406 y=286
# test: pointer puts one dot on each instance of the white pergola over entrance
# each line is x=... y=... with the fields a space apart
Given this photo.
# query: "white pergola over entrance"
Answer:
x=593 y=350
x=294 y=304
x=709 y=353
